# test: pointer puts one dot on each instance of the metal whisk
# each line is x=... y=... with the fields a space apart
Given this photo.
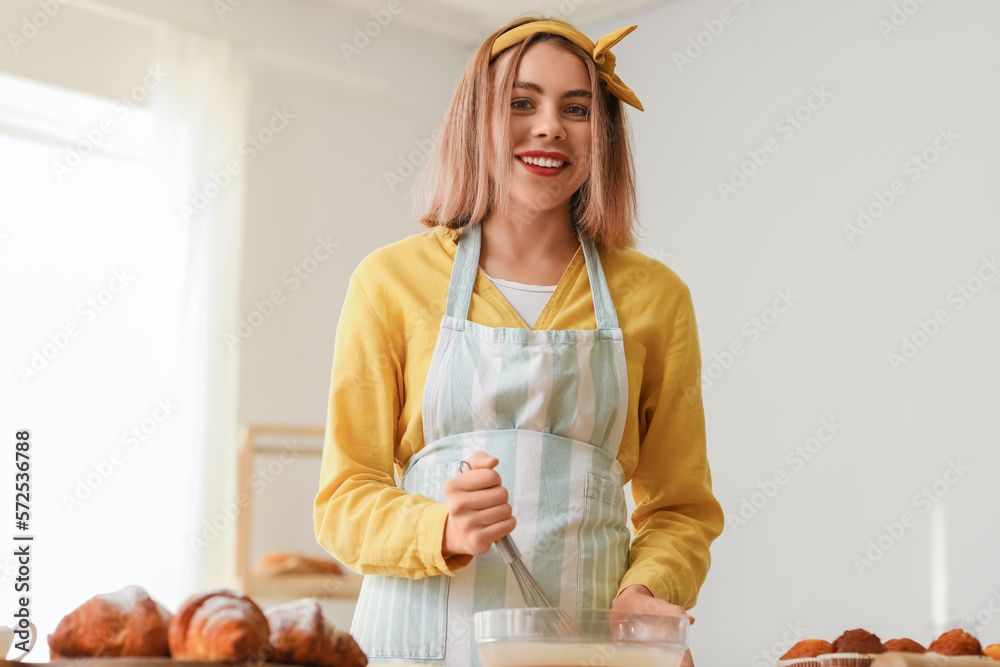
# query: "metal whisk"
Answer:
x=551 y=618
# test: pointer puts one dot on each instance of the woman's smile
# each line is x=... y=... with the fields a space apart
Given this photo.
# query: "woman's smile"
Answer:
x=544 y=163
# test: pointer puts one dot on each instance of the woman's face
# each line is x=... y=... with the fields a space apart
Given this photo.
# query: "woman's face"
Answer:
x=550 y=104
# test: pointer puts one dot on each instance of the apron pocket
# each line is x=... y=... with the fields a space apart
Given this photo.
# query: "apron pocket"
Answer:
x=603 y=543
x=599 y=488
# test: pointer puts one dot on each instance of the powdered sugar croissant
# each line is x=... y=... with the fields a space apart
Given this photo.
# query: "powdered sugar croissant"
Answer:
x=220 y=625
x=125 y=623
x=301 y=635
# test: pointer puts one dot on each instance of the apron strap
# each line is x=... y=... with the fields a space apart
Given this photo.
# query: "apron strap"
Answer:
x=604 y=306
x=463 y=273
x=466 y=268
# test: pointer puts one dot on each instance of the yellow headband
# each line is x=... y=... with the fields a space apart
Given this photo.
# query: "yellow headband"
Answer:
x=603 y=58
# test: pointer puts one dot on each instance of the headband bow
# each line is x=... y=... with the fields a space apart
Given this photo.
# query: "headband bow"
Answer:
x=603 y=58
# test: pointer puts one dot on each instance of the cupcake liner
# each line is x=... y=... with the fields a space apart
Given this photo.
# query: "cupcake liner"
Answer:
x=846 y=660
x=799 y=662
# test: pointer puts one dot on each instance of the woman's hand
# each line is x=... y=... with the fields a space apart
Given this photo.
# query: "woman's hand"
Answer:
x=637 y=600
x=478 y=511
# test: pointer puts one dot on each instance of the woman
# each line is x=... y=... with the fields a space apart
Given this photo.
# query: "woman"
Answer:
x=521 y=335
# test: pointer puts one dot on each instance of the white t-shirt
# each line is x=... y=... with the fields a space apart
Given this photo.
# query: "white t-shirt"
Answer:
x=527 y=300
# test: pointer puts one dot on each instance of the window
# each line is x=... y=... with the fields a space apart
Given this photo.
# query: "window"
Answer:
x=94 y=273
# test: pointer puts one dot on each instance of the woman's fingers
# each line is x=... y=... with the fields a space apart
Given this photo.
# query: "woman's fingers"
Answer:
x=495 y=531
x=637 y=600
x=481 y=459
x=475 y=532
x=478 y=541
x=479 y=513
x=476 y=499
x=474 y=480
x=489 y=516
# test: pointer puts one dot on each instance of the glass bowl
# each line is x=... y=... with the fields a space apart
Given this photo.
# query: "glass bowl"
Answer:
x=530 y=637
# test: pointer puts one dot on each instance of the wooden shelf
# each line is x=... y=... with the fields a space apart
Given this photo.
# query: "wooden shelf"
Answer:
x=255 y=442
x=303 y=586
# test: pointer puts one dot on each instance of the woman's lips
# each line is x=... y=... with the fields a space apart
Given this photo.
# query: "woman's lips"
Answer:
x=542 y=171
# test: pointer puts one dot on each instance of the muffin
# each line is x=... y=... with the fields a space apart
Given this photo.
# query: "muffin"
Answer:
x=993 y=651
x=854 y=648
x=904 y=645
x=807 y=648
x=805 y=653
x=956 y=642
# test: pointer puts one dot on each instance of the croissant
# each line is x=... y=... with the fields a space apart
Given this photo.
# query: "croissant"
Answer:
x=219 y=625
x=127 y=622
x=283 y=562
x=301 y=636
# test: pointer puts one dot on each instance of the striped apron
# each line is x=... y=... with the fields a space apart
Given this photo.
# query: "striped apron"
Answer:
x=551 y=406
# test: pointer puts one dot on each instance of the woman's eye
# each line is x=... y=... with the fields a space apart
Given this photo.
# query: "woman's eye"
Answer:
x=523 y=103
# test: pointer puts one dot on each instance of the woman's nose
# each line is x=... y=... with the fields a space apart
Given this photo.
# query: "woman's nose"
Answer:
x=548 y=123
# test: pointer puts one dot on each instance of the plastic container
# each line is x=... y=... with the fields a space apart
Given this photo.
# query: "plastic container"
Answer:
x=530 y=638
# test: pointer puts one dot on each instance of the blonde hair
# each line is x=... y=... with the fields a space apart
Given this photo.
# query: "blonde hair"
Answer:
x=602 y=209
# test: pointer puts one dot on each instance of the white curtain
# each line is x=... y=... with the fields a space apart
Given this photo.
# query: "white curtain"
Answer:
x=129 y=223
x=200 y=109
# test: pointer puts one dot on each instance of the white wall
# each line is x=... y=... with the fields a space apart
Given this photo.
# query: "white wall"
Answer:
x=325 y=178
x=793 y=561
